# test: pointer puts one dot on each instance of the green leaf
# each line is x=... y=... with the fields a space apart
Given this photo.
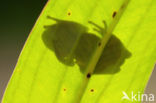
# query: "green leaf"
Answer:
x=74 y=55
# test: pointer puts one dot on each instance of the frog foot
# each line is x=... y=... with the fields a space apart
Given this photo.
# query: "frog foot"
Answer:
x=99 y=29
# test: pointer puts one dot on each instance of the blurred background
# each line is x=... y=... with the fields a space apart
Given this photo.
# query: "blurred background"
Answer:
x=17 y=18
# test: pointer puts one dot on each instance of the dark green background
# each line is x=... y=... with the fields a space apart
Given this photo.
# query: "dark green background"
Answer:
x=17 y=18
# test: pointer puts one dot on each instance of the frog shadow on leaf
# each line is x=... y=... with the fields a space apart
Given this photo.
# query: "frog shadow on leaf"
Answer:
x=73 y=44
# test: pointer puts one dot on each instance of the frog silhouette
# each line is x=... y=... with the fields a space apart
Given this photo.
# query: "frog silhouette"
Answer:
x=73 y=44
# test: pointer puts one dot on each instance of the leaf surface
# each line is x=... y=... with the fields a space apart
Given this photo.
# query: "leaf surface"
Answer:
x=74 y=55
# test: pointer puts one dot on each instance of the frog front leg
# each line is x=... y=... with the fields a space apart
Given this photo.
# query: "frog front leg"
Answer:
x=99 y=29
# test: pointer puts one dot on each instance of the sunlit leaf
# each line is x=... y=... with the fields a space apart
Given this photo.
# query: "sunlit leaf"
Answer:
x=86 y=51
